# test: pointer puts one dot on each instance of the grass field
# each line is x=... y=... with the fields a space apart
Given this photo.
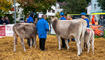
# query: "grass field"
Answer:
x=51 y=52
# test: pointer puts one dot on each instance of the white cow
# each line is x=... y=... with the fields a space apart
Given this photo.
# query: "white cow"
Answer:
x=68 y=28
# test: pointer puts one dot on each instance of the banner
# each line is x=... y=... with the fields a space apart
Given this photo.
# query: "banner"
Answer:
x=9 y=30
x=2 y=31
x=6 y=30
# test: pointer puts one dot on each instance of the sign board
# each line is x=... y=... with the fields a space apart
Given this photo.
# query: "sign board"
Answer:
x=6 y=30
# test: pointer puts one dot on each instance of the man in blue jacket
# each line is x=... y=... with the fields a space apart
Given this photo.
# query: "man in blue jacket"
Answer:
x=62 y=18
x=30 y=20
x=42 y=27
x=83 y=16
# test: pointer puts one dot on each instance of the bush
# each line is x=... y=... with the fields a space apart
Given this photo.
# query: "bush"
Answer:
x=10 y=18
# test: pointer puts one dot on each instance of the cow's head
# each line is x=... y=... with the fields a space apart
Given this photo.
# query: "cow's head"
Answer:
x=53 y=19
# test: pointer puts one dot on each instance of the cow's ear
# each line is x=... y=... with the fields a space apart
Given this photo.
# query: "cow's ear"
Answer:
x=54 y=18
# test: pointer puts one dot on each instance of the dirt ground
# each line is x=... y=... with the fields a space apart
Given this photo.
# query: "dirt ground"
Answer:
x=51 y=52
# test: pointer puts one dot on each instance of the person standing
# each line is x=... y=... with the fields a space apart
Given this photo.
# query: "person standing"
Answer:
x=1 y=21
x=69 y=17
x=62 y=18
x=7 y=20
x=4 y=22
x=42 y=27
x=83 y=16
x=93 y=20
x=30 y=20
x=101 y=20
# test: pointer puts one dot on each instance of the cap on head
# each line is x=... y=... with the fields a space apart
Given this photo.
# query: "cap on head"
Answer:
x=83 y=13
x=31 y=14
x=61 y=13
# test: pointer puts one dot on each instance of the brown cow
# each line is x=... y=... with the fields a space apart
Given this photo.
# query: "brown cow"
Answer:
x=24 y=31
x=68 y=28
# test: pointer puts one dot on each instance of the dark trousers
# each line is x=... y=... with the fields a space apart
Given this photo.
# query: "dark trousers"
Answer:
x=63 y=43
x=42 y=43
x=28 y=42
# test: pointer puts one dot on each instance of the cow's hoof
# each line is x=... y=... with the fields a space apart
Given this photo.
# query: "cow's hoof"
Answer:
x=68 y=48
x=93 y=53
x=14 y=50
x=79 y=55
x=24 y=50
x=35 y=46
x=59 y=49
x=30 y=46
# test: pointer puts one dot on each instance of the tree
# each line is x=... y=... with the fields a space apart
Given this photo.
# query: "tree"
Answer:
x=88 y=1
x=60 y=0
x=36 y=5
x=5 y=6
x=102 y=4
x=74 y=6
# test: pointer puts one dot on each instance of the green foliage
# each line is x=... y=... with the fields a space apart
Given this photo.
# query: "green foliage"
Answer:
x=60 y=0
x=102 y=4
x=36 y=5
x=104 y=34
x=75 y=6
x=11 y=19
x=5 y=6
x=88 y=1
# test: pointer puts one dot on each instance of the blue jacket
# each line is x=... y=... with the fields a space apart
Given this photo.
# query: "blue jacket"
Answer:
x=30 y=20
x=42 y=28
x=86 y=19
x=62 y=18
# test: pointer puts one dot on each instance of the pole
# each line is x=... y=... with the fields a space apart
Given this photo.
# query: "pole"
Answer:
x=15 y=11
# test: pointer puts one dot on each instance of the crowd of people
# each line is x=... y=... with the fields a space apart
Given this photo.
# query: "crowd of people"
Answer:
x=4 y=20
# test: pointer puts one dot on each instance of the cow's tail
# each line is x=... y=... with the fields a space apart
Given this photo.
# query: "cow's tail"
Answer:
x=15 y=31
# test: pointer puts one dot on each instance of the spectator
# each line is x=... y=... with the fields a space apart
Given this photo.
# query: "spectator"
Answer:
x=30 y=19
x=62 y=18
x=1 y=21
x=93 y=20
x=7 y=19
x=83 y=16
x=101 y=20
x=42 y=28
x=69 y=17
x=4 y=22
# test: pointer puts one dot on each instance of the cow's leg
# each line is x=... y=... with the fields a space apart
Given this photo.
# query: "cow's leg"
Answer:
x=92 y=43
x=22 y=42
x=15 y=43
x=67 y=44
x=59 y=42
x=35 y=41
x=78 y=47
x=88 y=44
x=31 y=43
